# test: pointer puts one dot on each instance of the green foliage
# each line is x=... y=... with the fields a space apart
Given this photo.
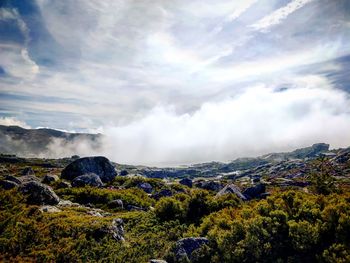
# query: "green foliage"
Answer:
x=322 y=177
x=169 y=209
x=101 y=197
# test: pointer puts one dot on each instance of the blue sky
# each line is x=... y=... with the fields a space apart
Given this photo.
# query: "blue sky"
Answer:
x=179 y=81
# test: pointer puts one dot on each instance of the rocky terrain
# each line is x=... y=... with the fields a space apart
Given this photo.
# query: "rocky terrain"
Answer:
x=91 y=209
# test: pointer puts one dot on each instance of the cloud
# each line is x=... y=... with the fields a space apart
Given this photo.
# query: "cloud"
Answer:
x=280 y=14
x=258 y=121
x=13 y=121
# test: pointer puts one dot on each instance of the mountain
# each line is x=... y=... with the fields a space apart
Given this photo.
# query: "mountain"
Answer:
x=33 y=142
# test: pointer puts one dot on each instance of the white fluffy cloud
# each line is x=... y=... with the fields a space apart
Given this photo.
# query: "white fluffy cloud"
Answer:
x=12 y=121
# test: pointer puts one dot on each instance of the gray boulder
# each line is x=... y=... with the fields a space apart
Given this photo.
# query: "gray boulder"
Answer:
x=50 y=178
x=7 y=185
x=90 y=179
x=186 y=246
x=254 y=191
x=231 y=189
x=145 y=187
x=116 y=230
x=157 y=261
x=186 y=181
x=23 y=179
x=64 y=184
x=98 y=165
x=39 y=194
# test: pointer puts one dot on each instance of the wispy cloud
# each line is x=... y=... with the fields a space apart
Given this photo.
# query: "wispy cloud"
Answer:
x=279 y=15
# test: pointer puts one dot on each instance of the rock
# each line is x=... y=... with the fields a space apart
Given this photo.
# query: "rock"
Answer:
x=50 y=178
x=39 y=194
x=254 y=191
x=67 y=203
x=90 y=179
x=49 y=209
x=27 y=171
x=23 y=179
x=145 y=187
x=186 y=181
x=64 y=184
x=116 y=229
x=7 y=185
x=210 y=185
x=98 y=165
x=157 y=261
x=124 y=172
x=186 y=246
x=117 y=203
x=231 y=189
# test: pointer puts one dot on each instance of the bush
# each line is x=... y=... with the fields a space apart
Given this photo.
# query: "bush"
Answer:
x=169 y=209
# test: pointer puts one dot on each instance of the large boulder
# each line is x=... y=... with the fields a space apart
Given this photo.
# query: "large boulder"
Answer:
x=254 y=191
x=98 y=165
x=186 y=246
x=231 y=189
x=39 y=194
x=186 y=181
x=117 y=203
x=89 y=179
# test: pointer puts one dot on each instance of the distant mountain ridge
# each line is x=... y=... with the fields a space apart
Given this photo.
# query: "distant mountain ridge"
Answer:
x=32 y=142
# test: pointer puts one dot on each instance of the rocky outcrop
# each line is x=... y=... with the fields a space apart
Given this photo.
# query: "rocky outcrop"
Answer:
x=116 y=230
x=186 y=246
x=231 y=189
x=89 y=179
x=186 y=181
x=39 y=194
x=98 y=165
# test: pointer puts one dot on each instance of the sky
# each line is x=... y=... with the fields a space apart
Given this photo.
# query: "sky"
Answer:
x=178 y=82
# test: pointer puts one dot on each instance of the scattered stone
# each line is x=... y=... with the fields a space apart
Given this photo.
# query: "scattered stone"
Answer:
x=67 y=203
x=28 y=171
x=50 y=178
x=186 y=246
x=94 y=213
x=145 y=187
x=49 y=209
x=231 y=189
x=98 y=165
x=39 y=194
x=23 y=179
x=117 y=203
x=7 y=185
x=90 y=179
x=186 y=181
x=157 y=261
x=254 y=191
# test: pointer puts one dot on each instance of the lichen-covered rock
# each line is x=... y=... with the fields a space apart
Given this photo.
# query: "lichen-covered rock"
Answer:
x=231 y=189
x=50 y=178
x=39 y=194
x=98 y=165
x=89 y=179
x=186 y=246
x=186 y=181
